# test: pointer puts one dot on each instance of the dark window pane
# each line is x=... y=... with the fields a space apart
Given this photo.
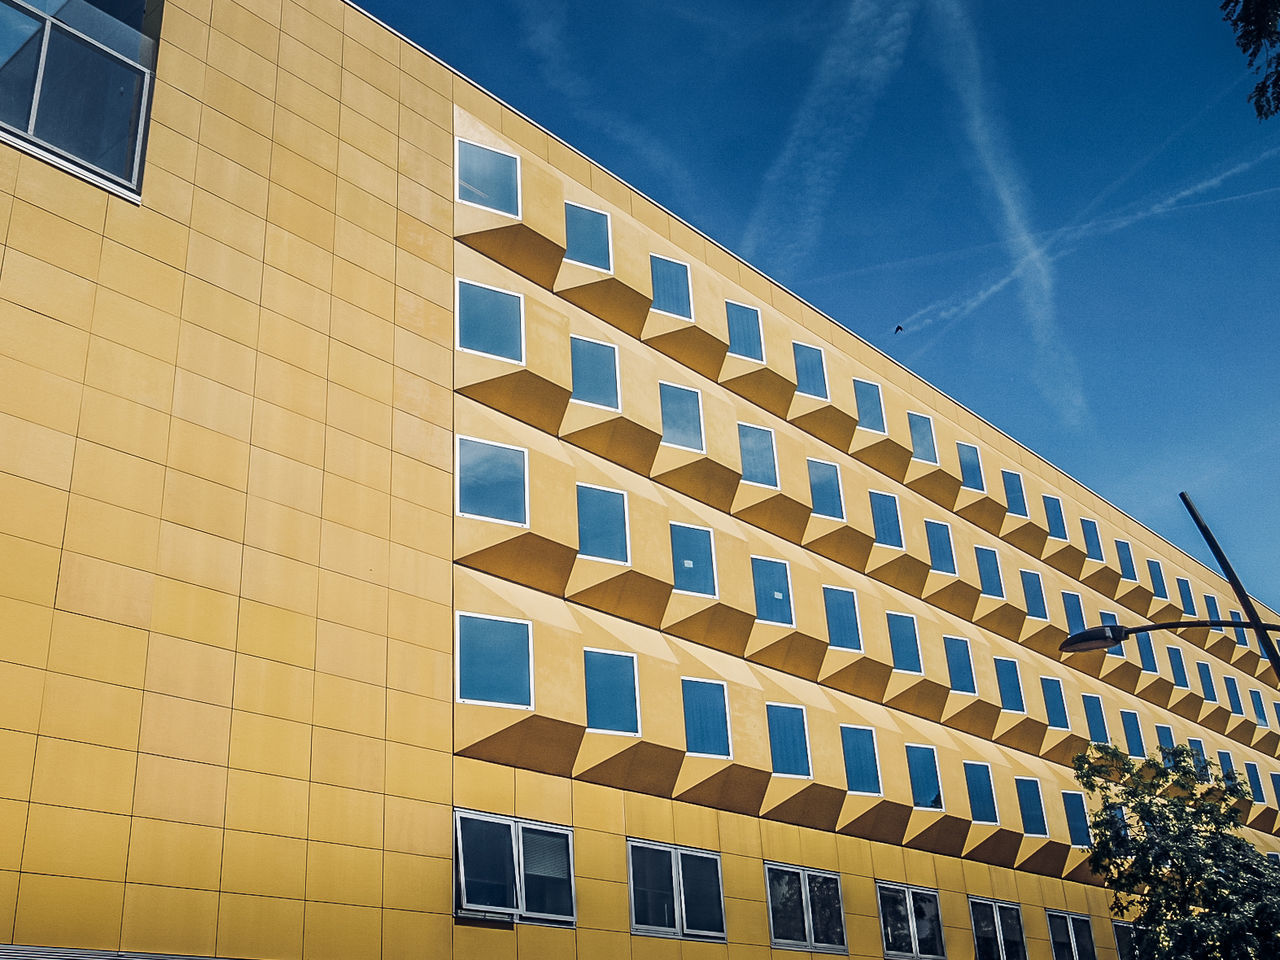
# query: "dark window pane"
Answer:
x=681 y=416
x=1092 y=541
x=1057 y=523
x=986 y=940
x=870 y=405
x=861 y=767
x=488 y=863
x=493 y=661
x=653 y=888
x=744 y=331
x=773 y=591
x=970 y=467
x=1133 y=733
x=941 y=557
x=706 y=720
x=922 y=767
x=21 y=37
x=1077 y=819
x=1147 y=653
x=602 y=524
x=1084 y=938
x=959 y=665
x=595 y=372
x=922 y=445
x=1054 y=705
x=1188 y=598
x=824 y=488
x=1031 y=806
x=811 y=374
x=548 y=885
x=611 y=692
x=1010 y=685
x=788 y=741
x=895 y=922
x=1014 y=495
x=491 y=481
x=1178 y=667
x=671 y=287
x=1124 y=552
x=928 y=923
x=786 y=905
x=884 y=518
x=1011 y=933
x=904 y=643
x=488 y=178
x=1074 y=610
x=842 y=618
x=586 y=236
x=703 y=904
x=691 y=560
x=989 y=572
x=826 y=910
x=1158 y=586
x=982 y=797
x=1060 y=937
x=758 y=463
x=489 y=322
x=1124 y=941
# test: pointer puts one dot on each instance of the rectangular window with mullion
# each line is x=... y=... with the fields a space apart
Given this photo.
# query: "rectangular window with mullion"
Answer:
x=922 y=771
x=772 y=581
x=1014 y=493
x=515 y=869
x=1158 y=586
x=693 y=560
x=1055 y=704
x=1055 y=522
x=1133 y=734
x=681 y=416
x=1033 y=593
x=997 y=930
x=1070 y=936
x=1009 y=682
x=910 y=922
x=989 y=580
x=1031 y=806
x=1095 y=718
x=1124 y=553
x=1187 y=596
x=675 y=891
x=904 y=642
x=1092 y=539
x=806 y=909
x=861 y=762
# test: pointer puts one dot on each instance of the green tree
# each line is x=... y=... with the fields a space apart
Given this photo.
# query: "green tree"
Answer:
x=1166 y=842
x=1257 y=27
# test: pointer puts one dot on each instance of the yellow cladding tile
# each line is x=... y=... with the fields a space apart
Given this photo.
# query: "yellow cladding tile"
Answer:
x=199 y=558
x=135 y=325
x=24 y=693
x=33 y=394
x=236 y=142
x=363 y=248
x=356 y=505
x=282 y=530
x=198 y=503
x=487 y=786
x=418 y=827
x=302 y=66
x=216 y=357
x=341 y=815
x=368 y=120
x=263 y=803
x=195 y=671
x=649 y=818
x=32 y=511
x=237 y=101
x=120 y=478
x=696 y=826
x=273 y=689
x=360 y=28
x=371 y=81
x=424 y=241
x=270 y=745
x=420 y=670
x=97 y=650
x=108 y=532
x=227 y=223
x=263 y=865
x=426 y=136
x=224 y=266
x=301 y=259
x=75 y=843
x=743 y=877
x=341 y=874
x=419 y=773
x=171 y=145
x=238 y=60
x=13 y=827
x=49 y=188
x=276 y=634
x=278 y=581
x=124 y=425
x=147 y=231
x=424 y=530
x=182 y=72
x=257 y=30
x=601 y=856
x=54 y=240
x=108 y=591
x=347 y=760
x=362 y=349
x=43 y=917
x=302 y=21
x=306 y=178
x=284 y=339
x=301 y=217
x=223 y=312
x=366 y=173
x=353 y=553
x=46 y=289
x=285 y=481
x=351 y=602
x=203 y=452
x=195 y=612
x=260 y=927
x=417 y=883
x=184 y=729
x=169 y=920
x=28 y=571
x=341 y=932
x=17 y=760
x=359 y=415
x=169 y=789
x=424 y=204
x=279 y=429
x=424 y=279
x=602 y=904
x=91 y=711
x=421 y=440
x=553 y=943
x=420 y=721
x=231 y=181
x=174 y=854
x=8 y=898
x=349 y=705
x=42 y=342
x=368 y=291
x=348 y=652
x=424 y=87
x=855 y=858
x=185 y=31
x=27 y=628
x=167 y=194
x=128 y=373
x=141 y=277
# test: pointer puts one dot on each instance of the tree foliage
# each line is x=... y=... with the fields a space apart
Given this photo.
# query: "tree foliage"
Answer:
x=1257 y=27
x=1166 y=842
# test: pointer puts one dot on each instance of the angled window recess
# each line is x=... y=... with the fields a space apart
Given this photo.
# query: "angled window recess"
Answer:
x=997 y=930
x=493 y=481
x=1242 y=639
x=613 y=698
x=1055 y=704
x=1164 y=736
x=488 y=178
x=745 y=339
x=595 y=373
x=885 y=520
x=495 y=661
x=922 y=444
x=1092 y=539
x=1211 y=610
x=1133 y=734
x=806 y=909
x=1110 y=619
x=681 y=416
x=1074 y=610
x=1259 y=709
x=772 y=579
x=1158 y=586
x=511 y=869
x=1233 y=695
x=1070 y=936
x=1014 y=494
x=788 y=740
x=675 y=891
x=672 y=293
x=1206 y=682
x=693 y=560
x=811 y=371
x=982 y=795
x=922 y=770
x=910 y=922
x=825 y=490
x=602 y=524
x=759 y=460
x=843 y=629
x=1254 y=777
x=960 y=665
x=1177 y=667
x=942 y=558
x=970 y=467
x=1199 y=757
x=1147 y=653
x=490 y=321
x=870 y=405
x=76 y=88
x=587 y=237
x=1055 y=522
x=706 y=717
x=861 y=762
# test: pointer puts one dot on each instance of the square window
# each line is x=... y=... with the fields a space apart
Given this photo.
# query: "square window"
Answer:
x=1206 y=682
x=495 y=660
x=1033 y=593
x=681 y=416
x=824 y=489
x=613 y=701
x=759 y=461
x=1233 y=696
x=1255 y=782
x=1124 y=553
x=922 y=445
x=587 y=237
x=841 y=607
x=982 y=795
x=1010 y=683
x=706 y=717
x=493 y=481
x=941 y=557
x=602 y=524
x=1178 y=668
x=1074 y=610
x=861 y=764
x=772 y=579
x=513 y=869
x=1188 y=598
x=1031 y=806
x=806 y=909
x=672 y=293
x=870 y=405
x=1056 y=522
x=997 y=930
x=595 y=373
x=904 y=642
x=1147 y=653
x=745 y=339
x=1133 y=734
x=910 y=922
x=970 y=467
x=788 y=740
x=1055 y=704
x=922 y=770
x=676 y=891
x=960 y=665
x=490 y=321
x=1158 y=586
x=1095 y=718
x=1092 y=539
x=1077 y=819
x=884 y=519
x=693 y=561
x=1071 y=936
x=811 y=371
x=488 y=178
x=989 y=579
x=1014 y=494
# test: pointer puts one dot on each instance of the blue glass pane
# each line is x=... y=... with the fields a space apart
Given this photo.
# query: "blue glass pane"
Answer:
x=1178 y=668
x=989 y=572
x=21 y=37
x=1255 y=782
x=1227 y=765
x=744 y=331
x=1075 y=612
x=960 y=665
x=970 y=467
x=1241 y=639
x=1147 y=653
x=922 y=446
x=489 y=322
x=982 y=796
x=493 y=661
x=692 y=560
x=681 y=416
x=884 y=519
x=824 y=488
x=1188 y=598
x=611 y=691
x=1010 y=684
x=1164 y=736
x=1206 y=682
x=488 y=178
x=861 y=766
x=758 y=462
x=904 y=642
x=1233 y=696
x=1077 y=819
x=586 y=236
x=706 y=718
x=1275 y=787
x=941 y=557
x=1125 y=554
x=491 y=481
x=773 y=592
x=489 y=864
x=595 y=372
x=1092 y=541
x=1133 y=734
x=1033 y=593
x=602 y=524
x=1057 y=523
x=788 y=742
x=870 y=405
x=1095 y=718
x=922 y=767
x=1259 y=710
x=842 y=618
x=1031 y=806
x=671 y=287
x=1198 y=756
x=1055 y=705
x=1158 y=586
x=811 y=373
x=1116 y=650
x=1211 y=611
x=1014 y=495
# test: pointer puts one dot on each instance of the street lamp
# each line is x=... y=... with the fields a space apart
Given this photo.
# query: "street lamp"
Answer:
x=1110 y=634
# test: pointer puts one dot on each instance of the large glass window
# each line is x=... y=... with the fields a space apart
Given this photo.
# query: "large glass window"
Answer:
x=744 y=331
x=675 y=891
x=1057 y=523
x=1178 y=667
x=1211 y=611
x=960 y=665
x=613 y=699
x=885 y=520
x=1092 y=539
x=1147 y=653
x=997 y=930
x=982 y=794
x=1074 y=610
x=1241 y=639
x=824 y=489
x=870 y=405
x=495 y=659
x=681 y=416
x=1254 y=776
x=513 y=869
x=989 y=579
x=772 y=579
x=1133 y=734
x=1010 y=683
x=587 y=237
x=1164 y=737
x=904 y=642
x=1206 y=682
x=1095 y=718
x=1124 y=553
x=1033 y=593
x=672 y=292
x=1188 y=598
x=1259 y=709
x=492 y=481
x=970 y=466
x=488 y=178
x=1199 y=757
x=706 y=717
x=759 y=461
x=861 y=763
x=1014 y=494
x=1031 y=806
x=1070 y=936
x=910 y=922
x=1055 y=704
x=595 y=372
x=602 y=524
x=922 y=770
x=922 y=444
x=1158 y=587
x=693 y=561
x=1110 y=619
x=942 y=558
x=490 y=321
x=806 y=910
x=841 y=606
x=811 y=371
x=1234 y=703
x=788 y=740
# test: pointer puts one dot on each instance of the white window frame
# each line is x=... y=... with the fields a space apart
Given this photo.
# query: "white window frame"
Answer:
x=457 y=178
x=1190 y=592
x=880 y=397
x=995 y=906
x=617 y=379
x=897 y=509
x=457 y=667
x=968 y=653
x=933 y=435
x=457 y=482
x=702 y=424
x=1097 y=532
x=826 y=380
x=1003 y=595
x=1017 y=675
x=1044 y=813
x=1138 y=720
x=680 y=931
x=764 y=355
x=1204 y=670
x=1062 y=695
x=791 y=597
x=808 y=749
x=1044 y=597
x=1106 y=729
x=839 y=488
x=520 y=914
x=635 y=675
x=728 y=717
x=626 y=524
x=995 y=800
x=857 y=616
x=688 y=279
x=809 y=945
x=715 y=595
x=773 y=450
x=942 y=796
x=950 y=542
x=875 y=750
x=457 y=322
x=1075 y=951
x=911 y=919
x=982 y=474
x=1164 y=581
x=915 y=625
x=1134 y=559
x=1044 y=500
x=608 y=228
x=1022 y=485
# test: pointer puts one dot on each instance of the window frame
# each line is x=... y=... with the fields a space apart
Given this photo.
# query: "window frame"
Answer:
x=635 y=678
x=1086 y=699
x=1079 y=603
x=1046 y=498
x=843 y=517
x=608 y=238
x=1186 y=596
x=937 y=772
x=875 y=753
x=1071 y=930
x=1129 y=569
x=1234 y=701
x=457 y=669
x=995 y=800
x=996 y=907
x=883 y=429
x=702 y=426
x=1022 y=816
x=913 y=417
x=1208 y=691
x=822 y=360
x=1017 y=679
x=1131 y=733
x=978 y=552
x=1177 y=667
x=1022 y=492
x=759 y=331
x=1087 y=524
x=728 y=717
x=1159 y=585
x=977 y=456
x=458 y=284
x=897 y=511
x=857 y=616
x=915 y=630
x=908 y=890
x=680 y=931
x=804 y=725
x=1062 y=698
x=626 y=524
x=791 y=600
x=806 y=907
x=951 y=548
x=773 y=453
x=968 y=655
x=457 y=178
x=617 y=379
x=519 y=914
x=711 y=541
x=1044 y=597
x=688 y=277
x=457 y=481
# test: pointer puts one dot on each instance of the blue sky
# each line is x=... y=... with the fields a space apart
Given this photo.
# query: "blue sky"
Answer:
x=1070 y=208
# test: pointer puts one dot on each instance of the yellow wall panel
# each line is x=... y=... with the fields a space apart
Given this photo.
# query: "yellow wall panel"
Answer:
x=43 y=917
x=343 y=874
x=169 y=920
x=91 y=712
x=83 y=775
x=43 y=342
x=13 y=828
x=185 y=729
x=113 y=476
x=340 y=815
x=46 y=288
x=170 y=789
x=264 y=865
x=32 y=511
x=264 y=803
x=75 y=843
x=259 y=926
x=287 y=753
x=196 y=612
x=32 y=394
x=174 y=854
x=340 y=932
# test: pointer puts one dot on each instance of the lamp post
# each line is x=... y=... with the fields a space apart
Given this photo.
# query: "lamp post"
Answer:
x=1110 y=634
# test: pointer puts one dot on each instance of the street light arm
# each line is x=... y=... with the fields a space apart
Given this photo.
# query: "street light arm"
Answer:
x=1110 y=634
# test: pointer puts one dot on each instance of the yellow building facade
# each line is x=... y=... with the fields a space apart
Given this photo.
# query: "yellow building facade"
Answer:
x=415 y=542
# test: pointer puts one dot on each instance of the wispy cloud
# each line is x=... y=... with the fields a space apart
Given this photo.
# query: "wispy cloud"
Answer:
x=863 y=54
